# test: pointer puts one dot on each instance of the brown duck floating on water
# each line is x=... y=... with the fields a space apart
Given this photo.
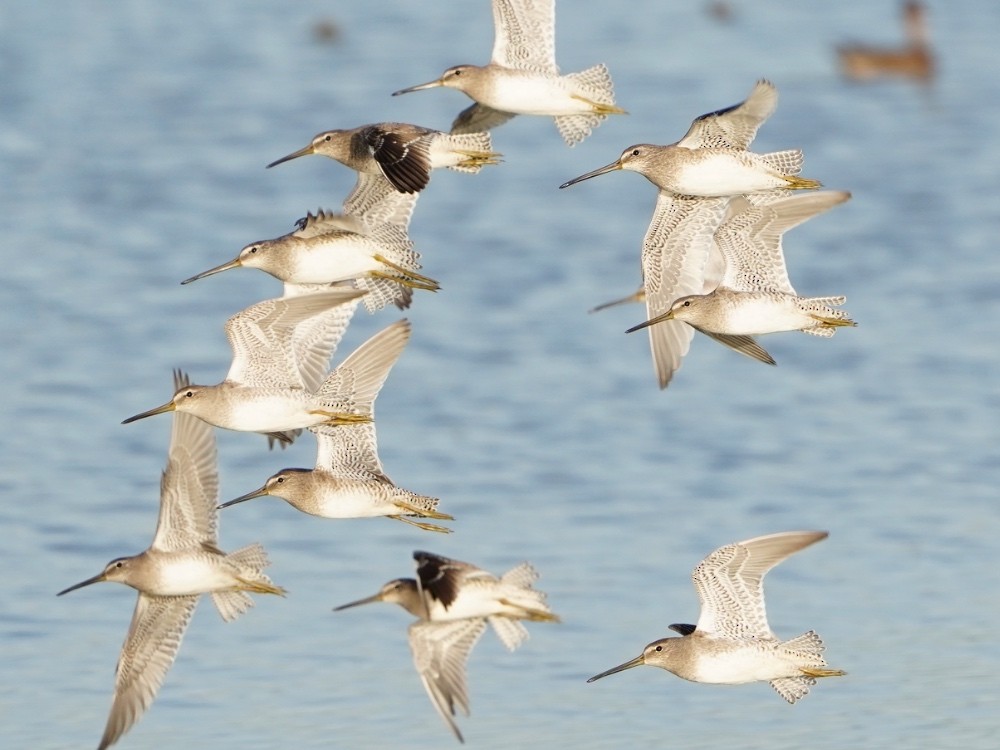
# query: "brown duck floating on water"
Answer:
x=913 y=59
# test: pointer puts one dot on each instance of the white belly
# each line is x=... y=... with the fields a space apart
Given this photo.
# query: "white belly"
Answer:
x=252 y=410
x=723 y=174
x=757 y=315
x=736 y=667
x=189 y=573
x=334 y=261
x=470 y=602
x=484 y=600
x=354 y=499
x=528 y=94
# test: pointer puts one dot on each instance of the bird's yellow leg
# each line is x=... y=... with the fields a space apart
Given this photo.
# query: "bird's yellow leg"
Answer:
x=424 y=526
x=599 y=107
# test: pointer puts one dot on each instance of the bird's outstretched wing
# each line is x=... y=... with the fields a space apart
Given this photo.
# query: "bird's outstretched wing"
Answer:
x=440 y=651
x=736 y=126
x=729 y=583
x=189 y=486
x=155 y=634
x=525 y=33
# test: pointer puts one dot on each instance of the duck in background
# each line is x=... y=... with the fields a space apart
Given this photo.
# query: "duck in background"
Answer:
x=913 y=60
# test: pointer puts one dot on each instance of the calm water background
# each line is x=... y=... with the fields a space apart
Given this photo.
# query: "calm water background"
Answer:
x=132 y=143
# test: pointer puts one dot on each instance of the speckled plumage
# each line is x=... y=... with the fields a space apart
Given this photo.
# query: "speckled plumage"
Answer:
x=182 y=562
x=732 y=642
x=265 y=389
x=679 y=253
x=522 y=77
x=348 y=480
x=453 y=601
x=753 y=295
x=326 y=248
x=712 y=160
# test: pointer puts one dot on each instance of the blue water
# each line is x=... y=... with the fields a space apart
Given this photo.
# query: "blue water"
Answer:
x=133 y=138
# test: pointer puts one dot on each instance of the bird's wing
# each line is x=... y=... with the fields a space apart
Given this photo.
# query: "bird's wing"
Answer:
x=441 y=578
x=674 y=254
x=729 y=583
x=750 y=240
x=355 y=382
x=478 y=118
x=316 y=338
x=375 y=201
x=155 y=634
x=403 y=155
x=265 y=352
x=324 y=222
x=522 y=575
x=189 y=487
x=736 y=126
x=298 y=290
x=746 y=345
x=525 y=35
x=349 y=450
x=440 y=651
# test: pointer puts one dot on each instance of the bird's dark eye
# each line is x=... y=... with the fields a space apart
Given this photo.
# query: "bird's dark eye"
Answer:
x=328 y=138
x=659 y=648
x=118 y=564
x=189 y=394
x=458 y=72
x=687 y=303
x=635 y=152
x=253 y=250
x=279 y=480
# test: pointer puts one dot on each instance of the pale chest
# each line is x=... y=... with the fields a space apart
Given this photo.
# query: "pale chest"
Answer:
x=751 y=314
x=717 y=173
x=472 y=601
x=531 y=94
x=188 y=573
x=742 y=664
x=339 y=259
x=350 y=498
x=269 y=410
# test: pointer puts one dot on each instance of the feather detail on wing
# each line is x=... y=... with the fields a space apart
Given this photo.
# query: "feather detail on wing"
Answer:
x=440 y=651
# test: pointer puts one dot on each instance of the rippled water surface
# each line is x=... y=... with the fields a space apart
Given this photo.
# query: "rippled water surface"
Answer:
x=132 y=142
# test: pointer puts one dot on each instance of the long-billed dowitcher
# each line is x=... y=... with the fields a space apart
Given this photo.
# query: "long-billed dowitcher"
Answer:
x=754 y=295
x=402 y=153
x=183 y=562
x=675 y=253
x=522 y=77
x=732 y=643
x=348 y=481
x=323 y=250
x=679 y=242
x=734 y=127
x=453 y=601
x=712 y=160
x=372 y=204
x=914 y=59
x=266 y=388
